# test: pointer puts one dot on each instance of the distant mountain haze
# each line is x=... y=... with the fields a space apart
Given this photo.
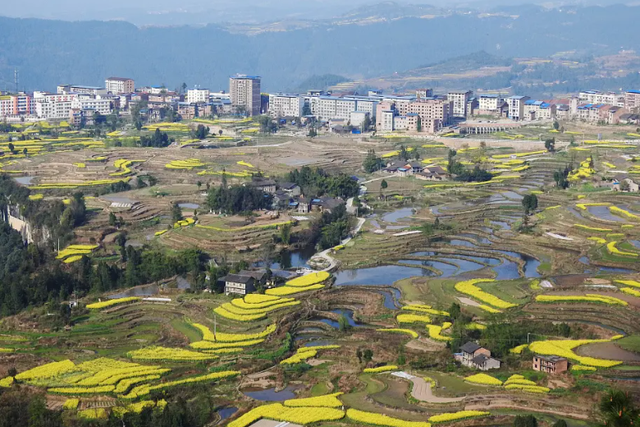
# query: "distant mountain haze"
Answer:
x=200 y=12
x=48 y=53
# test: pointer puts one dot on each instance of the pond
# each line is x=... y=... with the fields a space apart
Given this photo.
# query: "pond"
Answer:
x=391 y=298
x=183 y=283
x=291 y=259
x=225 y=413
x=530 y=266
x=341 y=312
x=477 y=238
x=397 y=215
x=512 y=195
x=24 y=180
x=603 y=212
x=503 y=225
x=318 y=343
x=270 y=394
x=378 y=276
x=507 y=271
x=457 y=242
x=189 y=205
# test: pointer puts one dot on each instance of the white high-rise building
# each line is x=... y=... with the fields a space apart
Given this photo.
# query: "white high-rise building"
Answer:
x=460 y=101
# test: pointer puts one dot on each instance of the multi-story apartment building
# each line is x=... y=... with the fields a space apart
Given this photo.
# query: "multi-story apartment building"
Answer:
x=6 y=106
x=516 y=107
x=54 y=106
x=198 y=95
x=385 y=120
x=81 y=89
x=538 y=110
x=597 y=97
x=424 y=93
x=489 y=104
x=632 y=100
x=16 y=105
x=245 y=93
x=344 y=107
x=102 y=106
x=433 y=113
x=460 y=101
x=283 y=105
x=119 y=85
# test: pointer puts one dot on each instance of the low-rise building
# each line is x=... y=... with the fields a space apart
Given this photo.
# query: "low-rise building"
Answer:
x=263 y=184
x=474 y=356
x=550 y=364
x=239 y=284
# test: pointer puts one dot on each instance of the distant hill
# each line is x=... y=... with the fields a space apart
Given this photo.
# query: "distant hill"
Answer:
x=322 y=82
x=51 y=52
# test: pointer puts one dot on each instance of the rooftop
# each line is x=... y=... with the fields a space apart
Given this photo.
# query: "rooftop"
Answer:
x=119 y=79
x=470 y=347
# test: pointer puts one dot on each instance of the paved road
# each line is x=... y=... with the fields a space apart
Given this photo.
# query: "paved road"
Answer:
x=325 y=254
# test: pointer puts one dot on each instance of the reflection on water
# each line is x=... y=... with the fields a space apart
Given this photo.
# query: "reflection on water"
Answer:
x=378 y=276
x=397 y=214
x=189 y=205
x=340 y=312
x=225 y=413
x=603 y=213
x=270 y=394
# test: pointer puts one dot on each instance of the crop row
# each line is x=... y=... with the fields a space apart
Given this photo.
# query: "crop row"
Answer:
x=297 y=415
x=207 y=335
x=413 y=334
x=111 y=303
x=425 y=309
x=435 y=332
x=144 y=390
x=380 y=369
x=291 y=290
x=579 y=298
x=469 y=287
x=168 y=354
x=413 y=318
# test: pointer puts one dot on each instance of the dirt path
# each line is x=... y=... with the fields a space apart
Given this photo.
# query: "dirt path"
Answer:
x=422 y=390
x=468 y=301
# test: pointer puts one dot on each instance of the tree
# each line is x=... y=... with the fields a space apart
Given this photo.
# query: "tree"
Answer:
x=176 y=213
x=358 y=355
x=624 y=185
x=112 y=219
x=550 y=145
x=560 y=423
x=201 y=132
x=312 y=132
x=25 y=151
x=372 y=162
x=343 y=323
x=11 y=147
x=619 y=409
x=384 y=184
x=366 y=124
x=529 y=203
x=285 y=233
x=525 y=421
x=199 y=184
x=404 y=153
x=556 y=125
x=306 y=109
x=367 y=355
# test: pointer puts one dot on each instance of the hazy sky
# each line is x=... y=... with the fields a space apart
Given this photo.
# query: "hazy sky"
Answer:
x=167 y=12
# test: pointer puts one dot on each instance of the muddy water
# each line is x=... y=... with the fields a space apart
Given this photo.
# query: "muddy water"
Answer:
x=607 y=350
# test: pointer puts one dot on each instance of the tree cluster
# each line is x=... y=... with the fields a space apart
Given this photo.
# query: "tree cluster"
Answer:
x=237 y=199
x=372 y=163
x=157 y=140
x=317 y=182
